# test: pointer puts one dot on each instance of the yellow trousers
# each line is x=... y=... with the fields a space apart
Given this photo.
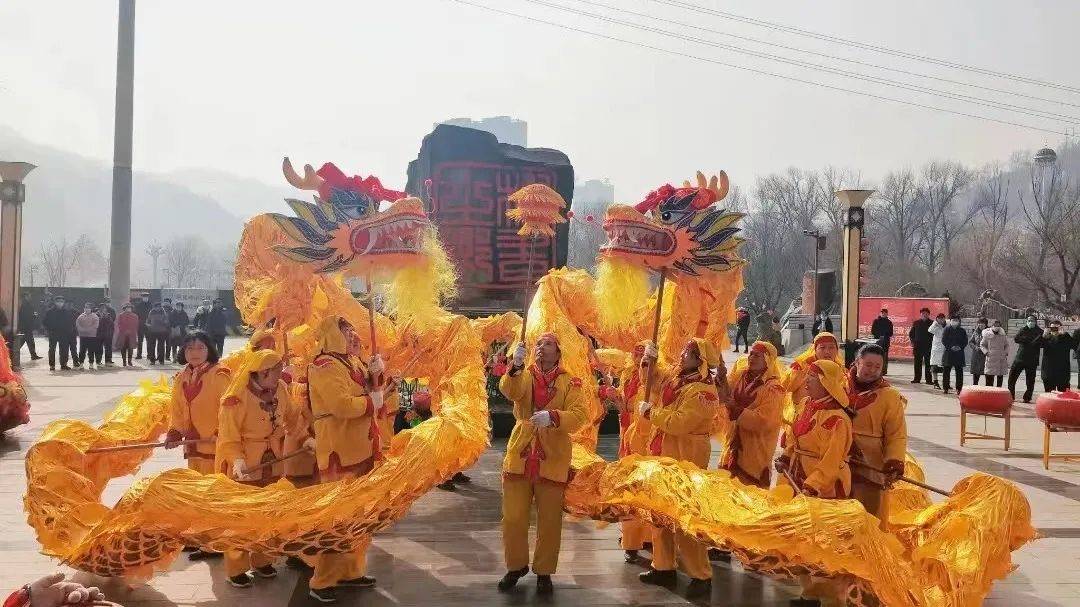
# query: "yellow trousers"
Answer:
x=635 y=534
x=202 y=465
x=333 y=568
x=873 y=498
x=518 y=497
x=238 y=561
x=692 y=554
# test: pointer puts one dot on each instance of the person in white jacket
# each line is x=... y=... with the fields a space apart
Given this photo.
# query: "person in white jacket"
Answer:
x=937 y=349
x=995 y=343
x=86 y=327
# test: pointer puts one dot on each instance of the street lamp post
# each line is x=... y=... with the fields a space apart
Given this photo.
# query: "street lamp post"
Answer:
x=819 y=244
x=853 y=229
x=12 y=197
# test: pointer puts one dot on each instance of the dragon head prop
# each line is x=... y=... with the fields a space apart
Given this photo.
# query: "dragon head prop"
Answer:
x=344 y=230
x=676 y=228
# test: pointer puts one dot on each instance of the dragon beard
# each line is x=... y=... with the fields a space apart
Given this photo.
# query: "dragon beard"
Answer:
x=621 y=289
x=420 y=288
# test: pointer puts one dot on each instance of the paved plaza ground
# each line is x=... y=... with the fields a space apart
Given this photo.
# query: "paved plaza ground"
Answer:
x=447 y=550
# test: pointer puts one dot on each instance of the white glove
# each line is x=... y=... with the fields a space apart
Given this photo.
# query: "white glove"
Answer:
x=376 y=399
x=651 y=351
x=309 y=444
x=519 y=355
x=239 y=470
x=377 y=366
x=644 y=406
x=541 y=419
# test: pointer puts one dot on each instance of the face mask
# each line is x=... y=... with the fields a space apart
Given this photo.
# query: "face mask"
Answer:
x=1032 y=324
x=954 y=323
x=1055 y=329
x=59 y=304
x=997 y=329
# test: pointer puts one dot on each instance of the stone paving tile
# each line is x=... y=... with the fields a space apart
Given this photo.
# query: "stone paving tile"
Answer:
x=447 y=550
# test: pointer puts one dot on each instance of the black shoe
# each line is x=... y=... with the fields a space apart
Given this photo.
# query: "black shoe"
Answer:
x=543 y=585
x=358 y=582
x=200 y=555
x=244 y=580
x=916 y=381
x=52 y=367
x=323 y=595
x=266 y=572
x=460 y=478
x=631 y=556
x=698 y=588
x=65 y=368
x=945 y=391
x=511 y=578
x=736 y=349
x=801 y=602
x=447 y=485
x=666 y=579
x=295 y=562
x=646 y=546
x=937 y=385
x=716 y=554
x=1027 y=399
x=35 y=358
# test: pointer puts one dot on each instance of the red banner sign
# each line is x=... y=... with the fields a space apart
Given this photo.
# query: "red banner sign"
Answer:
x=902 y=312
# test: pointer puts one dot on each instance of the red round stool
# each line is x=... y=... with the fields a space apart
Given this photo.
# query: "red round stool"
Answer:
x=1059 y=412
x=987 y=401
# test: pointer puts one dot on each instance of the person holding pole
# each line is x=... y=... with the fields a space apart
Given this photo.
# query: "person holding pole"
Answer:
x=549 y=406
x=196 y=399
x=251 y=432
x=682 y=420
x=879 y=431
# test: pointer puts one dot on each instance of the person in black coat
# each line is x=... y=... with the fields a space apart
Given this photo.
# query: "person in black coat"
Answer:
x=1026 y=360
x=60 y=328
x=822 y=323
x=921 y=342
x=1056 y=346
x=28 y=322
x=142 y=310
x=216 y=324
x=882 y=331
x=955 y=339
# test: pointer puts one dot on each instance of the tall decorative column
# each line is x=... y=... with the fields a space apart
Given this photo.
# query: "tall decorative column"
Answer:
x=852 y=274
x=12 y=196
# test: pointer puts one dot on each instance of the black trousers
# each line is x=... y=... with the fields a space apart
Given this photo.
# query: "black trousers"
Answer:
x=219 y=343
x=104 y=349
x=1056 y=382
x=989 y=379
x=60 y=343
x=156 y=344
x=28 y=339
x=87 y=349
x=885 y=365
x=742 y=332
x=922 y=360
x=1029 y=374
x=143 y=335
x=947 y=371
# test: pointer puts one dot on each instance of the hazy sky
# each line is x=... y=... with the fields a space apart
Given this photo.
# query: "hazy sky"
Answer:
x=238 y=84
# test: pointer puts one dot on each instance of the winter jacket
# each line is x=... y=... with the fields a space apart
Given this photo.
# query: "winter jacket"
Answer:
x=919 y=334
x=1076 y=345
x=937 y=349
x=179 y=320
x=87 y=324
x=995 y=345
x=58 y=323
x=215 y=321
x=978 y=357
x=28 y=317
x=954 y=339
x=142 y=309
x=127 y=327
x=820 y=326
x=1055 y=355
x=1027 y=354
x=106 y=326
x=882 y=330
x=743 y=320
x=157 y=321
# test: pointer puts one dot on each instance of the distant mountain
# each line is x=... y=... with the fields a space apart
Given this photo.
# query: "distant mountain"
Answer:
x=240 y=196
x=69 y=195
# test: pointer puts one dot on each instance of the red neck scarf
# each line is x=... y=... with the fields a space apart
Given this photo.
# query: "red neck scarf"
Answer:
x=805 y=422
x=194 y=384
x=544 y=386
x=862 y=394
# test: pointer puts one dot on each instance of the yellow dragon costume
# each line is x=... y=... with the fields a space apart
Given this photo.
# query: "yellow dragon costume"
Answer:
x=291 y=269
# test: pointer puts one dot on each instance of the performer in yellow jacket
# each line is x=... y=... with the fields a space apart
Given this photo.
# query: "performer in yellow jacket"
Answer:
x=682 y=423
x=196 y=398
x=754 y=398
x=549 y=406
x=879 y=428
x=815 y=457
x=251 y=432
x=633 y=440
x=345 y=400
x=824 y=347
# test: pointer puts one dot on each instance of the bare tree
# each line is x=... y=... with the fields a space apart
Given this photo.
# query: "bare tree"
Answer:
x=898 y=215
x=187 y=258
x=1048 y=255
x=940 y=186
x=991 y=208
x=90 y=265
x=775 y=257
x=57 y=259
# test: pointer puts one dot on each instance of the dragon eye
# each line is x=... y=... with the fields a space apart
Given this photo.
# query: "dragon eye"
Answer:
x=666 y=215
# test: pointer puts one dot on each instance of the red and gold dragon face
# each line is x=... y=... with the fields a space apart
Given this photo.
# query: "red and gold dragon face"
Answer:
x=344 y=230
x=676 y=228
